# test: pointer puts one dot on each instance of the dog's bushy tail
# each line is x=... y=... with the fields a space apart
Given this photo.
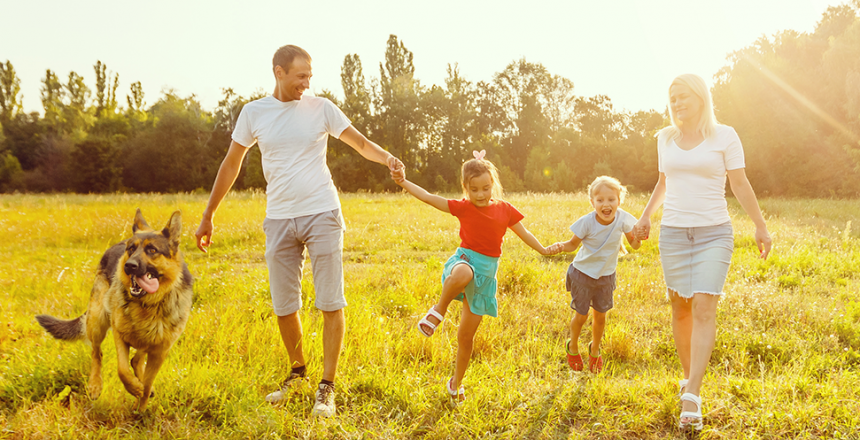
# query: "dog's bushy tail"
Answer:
x=71 y=330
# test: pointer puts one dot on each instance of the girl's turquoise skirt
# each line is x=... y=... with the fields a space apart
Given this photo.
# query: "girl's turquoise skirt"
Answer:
x=481 y=291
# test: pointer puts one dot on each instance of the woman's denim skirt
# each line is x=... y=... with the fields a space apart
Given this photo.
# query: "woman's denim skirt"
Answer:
x=696 y=260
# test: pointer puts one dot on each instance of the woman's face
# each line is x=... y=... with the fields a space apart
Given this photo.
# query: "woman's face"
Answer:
x=686 y=106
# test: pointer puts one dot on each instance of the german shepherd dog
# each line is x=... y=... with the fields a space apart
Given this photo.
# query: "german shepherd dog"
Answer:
x=143 y=291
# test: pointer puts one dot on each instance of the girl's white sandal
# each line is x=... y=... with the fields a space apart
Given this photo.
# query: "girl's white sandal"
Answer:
x=457 y=396
x=426 y=322
x=694 y=418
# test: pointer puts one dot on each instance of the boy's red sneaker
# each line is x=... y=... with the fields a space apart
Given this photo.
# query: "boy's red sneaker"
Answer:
x=574 y=360
x=595 y=364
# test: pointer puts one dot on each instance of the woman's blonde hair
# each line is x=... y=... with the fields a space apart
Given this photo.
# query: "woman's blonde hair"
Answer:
x=477 y=167
x=707 y=122
x=610 y=182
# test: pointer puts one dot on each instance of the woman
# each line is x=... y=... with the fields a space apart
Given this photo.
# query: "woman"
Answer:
x=695 y=155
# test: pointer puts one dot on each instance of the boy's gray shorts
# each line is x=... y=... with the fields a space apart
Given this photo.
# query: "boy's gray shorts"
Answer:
x=587 y=292
x=286 y=240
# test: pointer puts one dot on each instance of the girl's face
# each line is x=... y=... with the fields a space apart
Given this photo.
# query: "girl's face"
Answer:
x=605 y=201
x=686 y=106
x=480 y=190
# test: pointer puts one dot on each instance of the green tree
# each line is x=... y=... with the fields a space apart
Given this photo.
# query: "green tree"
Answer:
x=170 y=153
x=790 y=98
x=78 y=115
x=10 y=89
x=400 y=124
x=105 y=90
x=136 y=112
x=95 y=165
x=523 y=90
x=350 y=172
x=24 y=135
x=52 y=94
x=11 y=174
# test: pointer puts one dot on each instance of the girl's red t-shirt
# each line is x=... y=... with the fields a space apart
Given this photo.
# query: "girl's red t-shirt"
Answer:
x=483 y=229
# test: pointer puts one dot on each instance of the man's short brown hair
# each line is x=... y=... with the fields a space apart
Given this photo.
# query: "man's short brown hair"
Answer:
x=285 y=55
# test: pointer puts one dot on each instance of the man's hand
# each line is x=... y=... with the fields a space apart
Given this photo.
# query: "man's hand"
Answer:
x=204 y=234
x=764 y=242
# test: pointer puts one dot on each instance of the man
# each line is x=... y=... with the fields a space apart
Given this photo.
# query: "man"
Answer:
x=303 y=209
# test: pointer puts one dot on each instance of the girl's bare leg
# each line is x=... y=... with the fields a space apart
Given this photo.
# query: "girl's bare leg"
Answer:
x=454 y=284
x=469 y=323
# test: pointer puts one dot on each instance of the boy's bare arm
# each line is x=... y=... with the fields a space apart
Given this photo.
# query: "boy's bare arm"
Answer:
x=565 y=246
x=635 y=243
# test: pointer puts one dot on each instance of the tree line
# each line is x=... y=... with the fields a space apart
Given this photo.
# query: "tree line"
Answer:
x=794 y=99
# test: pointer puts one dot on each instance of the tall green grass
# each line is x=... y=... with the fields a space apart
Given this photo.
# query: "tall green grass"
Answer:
x=785 y=365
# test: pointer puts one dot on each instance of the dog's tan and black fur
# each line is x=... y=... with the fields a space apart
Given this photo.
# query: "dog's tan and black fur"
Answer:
x=148 y=321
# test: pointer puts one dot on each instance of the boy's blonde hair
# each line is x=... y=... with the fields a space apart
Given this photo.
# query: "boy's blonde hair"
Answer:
x=477 y=167
x=610 y=182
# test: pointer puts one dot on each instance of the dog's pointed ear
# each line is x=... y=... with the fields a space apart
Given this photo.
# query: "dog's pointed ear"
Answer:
x=139 y=223
x=173 y=230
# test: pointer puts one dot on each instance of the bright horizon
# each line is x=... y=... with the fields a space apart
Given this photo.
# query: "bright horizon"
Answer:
x=628 y=50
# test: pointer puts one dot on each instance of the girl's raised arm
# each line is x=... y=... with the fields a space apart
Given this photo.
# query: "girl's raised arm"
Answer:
x=433 y=200
x=528 y=238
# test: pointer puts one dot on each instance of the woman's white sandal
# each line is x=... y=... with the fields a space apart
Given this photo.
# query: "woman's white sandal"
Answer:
x=457 y=396
x=694 y=418
x=426 y=322
x=682 y=387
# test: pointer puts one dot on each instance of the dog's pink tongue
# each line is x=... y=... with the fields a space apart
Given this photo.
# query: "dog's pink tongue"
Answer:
x=150 y=285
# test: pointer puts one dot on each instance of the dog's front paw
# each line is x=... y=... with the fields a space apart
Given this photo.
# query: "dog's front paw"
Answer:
x=94 y=388
x=134 y=387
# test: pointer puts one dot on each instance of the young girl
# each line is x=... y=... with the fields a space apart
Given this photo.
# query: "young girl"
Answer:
x=470 y=274
x=591 y=277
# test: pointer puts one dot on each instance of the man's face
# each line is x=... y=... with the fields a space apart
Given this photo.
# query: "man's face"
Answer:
x=294 y=82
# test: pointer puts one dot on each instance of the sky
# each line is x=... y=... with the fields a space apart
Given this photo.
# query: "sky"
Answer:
x=628 y=50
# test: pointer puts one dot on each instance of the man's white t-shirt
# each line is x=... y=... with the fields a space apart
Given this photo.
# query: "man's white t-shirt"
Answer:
x=292 y=137
x=696 y=179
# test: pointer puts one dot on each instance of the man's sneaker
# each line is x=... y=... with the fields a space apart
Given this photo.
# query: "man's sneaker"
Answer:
x=324 y=402
x=291 y=382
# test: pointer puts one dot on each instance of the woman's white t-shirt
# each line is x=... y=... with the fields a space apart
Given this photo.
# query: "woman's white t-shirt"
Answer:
x=292 y=137
x=696 y=178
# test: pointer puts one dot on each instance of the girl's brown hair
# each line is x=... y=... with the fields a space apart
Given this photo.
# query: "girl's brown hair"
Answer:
x=477 y=167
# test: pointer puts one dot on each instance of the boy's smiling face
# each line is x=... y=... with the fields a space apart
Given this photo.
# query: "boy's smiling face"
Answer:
x=605 y=201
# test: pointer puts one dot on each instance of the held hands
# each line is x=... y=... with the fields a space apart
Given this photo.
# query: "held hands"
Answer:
x=554 y=248
x=398 y=170
x=642 y=229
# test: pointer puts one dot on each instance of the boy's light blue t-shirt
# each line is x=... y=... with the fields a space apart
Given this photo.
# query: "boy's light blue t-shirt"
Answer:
x=600 y=243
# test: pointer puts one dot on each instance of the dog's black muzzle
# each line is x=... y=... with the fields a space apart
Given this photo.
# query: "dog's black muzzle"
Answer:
x=134 y=270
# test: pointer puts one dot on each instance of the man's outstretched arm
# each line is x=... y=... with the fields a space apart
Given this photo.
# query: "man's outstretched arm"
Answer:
x=369 y=149
x=230 y=167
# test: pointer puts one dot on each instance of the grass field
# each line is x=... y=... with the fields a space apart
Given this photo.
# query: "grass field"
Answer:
x=786 y=362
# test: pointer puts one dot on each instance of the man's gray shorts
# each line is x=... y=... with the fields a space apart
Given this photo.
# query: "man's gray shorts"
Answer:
x=286 y=240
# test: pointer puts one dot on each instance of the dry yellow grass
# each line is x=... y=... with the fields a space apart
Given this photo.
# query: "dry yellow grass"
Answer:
x=785 y=366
